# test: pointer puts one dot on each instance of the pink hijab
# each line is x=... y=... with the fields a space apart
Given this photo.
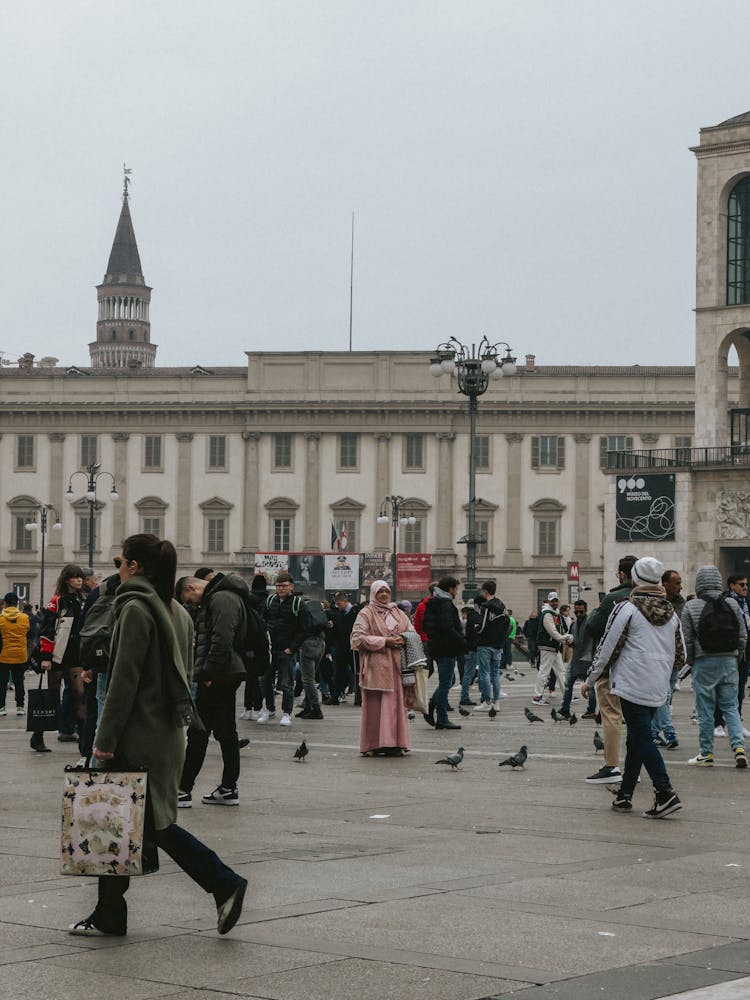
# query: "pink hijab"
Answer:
x=385 y=610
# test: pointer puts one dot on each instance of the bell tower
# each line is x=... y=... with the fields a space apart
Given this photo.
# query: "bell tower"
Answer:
x=123 y=330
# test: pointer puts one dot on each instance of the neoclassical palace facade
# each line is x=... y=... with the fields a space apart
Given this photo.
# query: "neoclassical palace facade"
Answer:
x=266 y=456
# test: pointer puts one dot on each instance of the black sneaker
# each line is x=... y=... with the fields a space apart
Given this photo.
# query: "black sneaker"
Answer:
x=605 y=776
x=622 y=802
x=184 y=800
x=673 y=744
x=222 y=797
x=665 y=802
x=661 y=742
x=228 y=910
x=87 y=928
x=429 y=715
x=468 y=703
x=598 y=718
x=244 y=742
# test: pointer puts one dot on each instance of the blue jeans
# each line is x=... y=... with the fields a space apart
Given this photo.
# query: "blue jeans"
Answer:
x=470 y=664
x=662 y=721
x=715 y=685
x=446 y=667
x=640 y=749
x=283 y=664
x=488 y=659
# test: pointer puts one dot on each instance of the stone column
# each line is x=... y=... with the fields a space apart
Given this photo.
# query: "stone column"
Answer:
x=250 y=490
x=184 y=494
x=382 y=489
x=444 y=497
x=513 y=554
x=582 y=507
x=120 y=506
x=53 y=541
x=312 y=492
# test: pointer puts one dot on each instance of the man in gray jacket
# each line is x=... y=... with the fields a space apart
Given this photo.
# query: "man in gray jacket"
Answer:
x=715 y=670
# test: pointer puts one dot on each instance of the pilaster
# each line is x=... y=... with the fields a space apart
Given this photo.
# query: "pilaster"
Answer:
x=513 y=555
x=250 y=490
x=184 y=491
x=445 y=527
x=120 y=506
x=312 y=492
x=56 y=479
x=582 y=508
x=382 y=487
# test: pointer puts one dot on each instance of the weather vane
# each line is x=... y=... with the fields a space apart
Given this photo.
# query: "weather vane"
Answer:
x=127 y=171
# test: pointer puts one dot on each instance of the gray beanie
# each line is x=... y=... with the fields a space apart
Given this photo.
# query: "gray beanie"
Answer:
x=708 y=581
x=646 y=572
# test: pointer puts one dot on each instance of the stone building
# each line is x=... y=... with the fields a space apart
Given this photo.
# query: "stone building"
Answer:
x=264 y=456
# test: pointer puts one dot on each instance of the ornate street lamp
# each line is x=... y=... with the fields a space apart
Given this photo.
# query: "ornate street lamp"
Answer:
x=44 y=509
x=473 y=367
x=391 y=510
x=93 y=474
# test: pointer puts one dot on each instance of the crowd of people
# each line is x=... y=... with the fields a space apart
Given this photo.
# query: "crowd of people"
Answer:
x=147 y=667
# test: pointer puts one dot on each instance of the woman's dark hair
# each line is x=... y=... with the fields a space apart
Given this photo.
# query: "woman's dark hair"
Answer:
x=157 y=558
x=68 y=572
x=447 y=582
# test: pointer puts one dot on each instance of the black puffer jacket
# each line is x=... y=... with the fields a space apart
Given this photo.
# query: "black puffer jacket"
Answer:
x=222 y=627
x=442 y=625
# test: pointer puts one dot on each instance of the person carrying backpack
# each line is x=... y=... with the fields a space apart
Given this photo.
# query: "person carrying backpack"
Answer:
x=715 y=636
x=289 y=624
x=98 y=618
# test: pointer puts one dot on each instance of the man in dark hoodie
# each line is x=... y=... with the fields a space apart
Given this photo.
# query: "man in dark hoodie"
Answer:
x=491 y=634
x=714 y=671
x=442 y=625
x=219 y=671
x=642 y=644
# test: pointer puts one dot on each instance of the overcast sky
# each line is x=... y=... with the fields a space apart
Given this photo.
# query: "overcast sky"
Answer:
x=517 y=168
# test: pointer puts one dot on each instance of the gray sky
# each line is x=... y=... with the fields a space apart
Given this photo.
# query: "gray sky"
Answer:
x=517 y=168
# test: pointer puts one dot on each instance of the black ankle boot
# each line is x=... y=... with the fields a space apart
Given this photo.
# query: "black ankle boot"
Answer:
x=37 y=743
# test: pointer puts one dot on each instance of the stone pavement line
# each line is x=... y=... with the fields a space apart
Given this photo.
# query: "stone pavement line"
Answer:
x=739 y=989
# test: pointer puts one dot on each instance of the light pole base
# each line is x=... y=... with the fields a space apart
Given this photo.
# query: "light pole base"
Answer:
x=470 y=592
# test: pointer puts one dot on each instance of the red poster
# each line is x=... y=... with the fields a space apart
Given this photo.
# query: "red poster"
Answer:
x=413 y=572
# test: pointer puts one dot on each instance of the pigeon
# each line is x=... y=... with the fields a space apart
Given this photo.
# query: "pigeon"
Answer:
x=516 y=759
x=464 y=712
x=453 y=759
x=243 y=743
x=531 y=717
x=555 y=717
x=411 y=715
x=572 y=719
x=598 y=742
x=301 y=752
x=492 y=712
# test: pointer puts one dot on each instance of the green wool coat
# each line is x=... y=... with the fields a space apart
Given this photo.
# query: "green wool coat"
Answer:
x=136 y=724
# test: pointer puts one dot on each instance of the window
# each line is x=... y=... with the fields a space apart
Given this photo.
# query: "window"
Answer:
x=25 y=451
x=547 y=452
x=348 y=451
x=216 y=530
x=683 y=444
x=82 y=530
x=613 y=442
x=23 y=539
x=482 y=535
x=413 y=452
x=152 y=452
x=484 y=515
x=88 y=450
x=351 y=528
x=482 y=453
x=153 y=526
x=345 y=516
x=547 y=527
x=282 y=451
x=411 y=536
x=282 y=534
x=546 y=538
x=217 y=452
x=738 y=244
x=151 y=512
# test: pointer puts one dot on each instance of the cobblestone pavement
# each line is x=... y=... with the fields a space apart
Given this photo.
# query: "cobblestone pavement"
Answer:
x=380 y=878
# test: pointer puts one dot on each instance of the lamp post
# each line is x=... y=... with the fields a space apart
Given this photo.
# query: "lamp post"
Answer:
x=93 y=473
x=44 y=509
x=390 y=510
x=473 y=367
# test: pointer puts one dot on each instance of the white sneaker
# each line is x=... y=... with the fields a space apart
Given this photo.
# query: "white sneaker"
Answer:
x=285 y=720
x=264 y=715
x=745 y=732
x=483 y=706
x=247 y=715
x=502 y=694
x=719 y=731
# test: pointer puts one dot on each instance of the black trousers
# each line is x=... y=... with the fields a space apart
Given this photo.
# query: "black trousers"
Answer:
x=216 y=707
x=17 y=670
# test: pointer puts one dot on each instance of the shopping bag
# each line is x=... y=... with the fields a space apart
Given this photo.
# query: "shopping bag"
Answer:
x=103 y=823
x=41 y=713
x=415 y=692
x=63 y=630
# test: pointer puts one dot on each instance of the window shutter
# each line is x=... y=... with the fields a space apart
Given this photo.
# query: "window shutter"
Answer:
x=628 y=444
x=535 y=453
x=602 y=452
x=561 y=452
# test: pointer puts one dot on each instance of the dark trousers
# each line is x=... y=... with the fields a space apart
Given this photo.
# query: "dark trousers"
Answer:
x=253 y=693
x=196 y=860
x=17 y=670
x=282 y=665
x=342 y=672
x=216 y=707
x=446 y=666
x=640 y=749
x=92 y=713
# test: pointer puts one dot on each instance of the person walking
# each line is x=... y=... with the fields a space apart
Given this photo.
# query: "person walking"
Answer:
x=142 y=724
x=642 y=644
x=14 y=630
x=491 y=635
x=442 y=625
x=551 y=636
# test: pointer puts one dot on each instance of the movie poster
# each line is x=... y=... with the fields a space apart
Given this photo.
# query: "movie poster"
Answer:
x=376 y=566
x=270 y=564
x=308 y=570
x=342 y=572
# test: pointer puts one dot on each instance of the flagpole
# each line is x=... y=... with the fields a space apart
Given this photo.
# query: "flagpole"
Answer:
x=351 y=286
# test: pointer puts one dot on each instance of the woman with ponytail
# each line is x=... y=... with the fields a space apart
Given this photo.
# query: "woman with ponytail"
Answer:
x=146 y=708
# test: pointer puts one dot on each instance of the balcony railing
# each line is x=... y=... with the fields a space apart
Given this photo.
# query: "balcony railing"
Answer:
x=679 y=458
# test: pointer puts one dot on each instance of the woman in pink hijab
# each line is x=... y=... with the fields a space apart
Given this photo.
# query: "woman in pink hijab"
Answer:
x=377 y=635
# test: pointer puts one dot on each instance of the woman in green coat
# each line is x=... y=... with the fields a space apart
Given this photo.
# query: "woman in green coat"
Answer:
x=142 y=725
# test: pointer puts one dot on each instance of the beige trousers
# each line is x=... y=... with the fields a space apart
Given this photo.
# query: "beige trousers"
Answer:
x=609 y=707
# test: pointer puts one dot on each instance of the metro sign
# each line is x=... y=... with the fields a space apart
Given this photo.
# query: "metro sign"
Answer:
x=573 y=572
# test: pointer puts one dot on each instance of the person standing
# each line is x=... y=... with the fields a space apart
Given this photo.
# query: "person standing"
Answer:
x=530 y=627
x=737 y=590
x=253 y=701
x=491 y=635
x=142 y=722
x=642 y=645
x=14 y=630
x=471 y=617
x=287 y=630
x=442 y=625
x=342 y=617
x=551 y=636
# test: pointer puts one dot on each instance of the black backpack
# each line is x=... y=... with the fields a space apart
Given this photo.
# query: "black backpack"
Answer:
x=257 y=642
x=314 y=619
x=718 y=627
x=96 y=634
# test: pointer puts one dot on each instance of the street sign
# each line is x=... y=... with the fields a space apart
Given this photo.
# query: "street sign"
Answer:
x=573 y=572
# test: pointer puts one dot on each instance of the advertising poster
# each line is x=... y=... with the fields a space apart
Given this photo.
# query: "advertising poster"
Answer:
x=413 y=571
x=376 y=566
x=342 y=572
x=645 y=509
x=271 y=563
x=308 y=571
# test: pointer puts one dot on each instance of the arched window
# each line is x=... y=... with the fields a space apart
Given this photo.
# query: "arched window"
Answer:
x=738 y=244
